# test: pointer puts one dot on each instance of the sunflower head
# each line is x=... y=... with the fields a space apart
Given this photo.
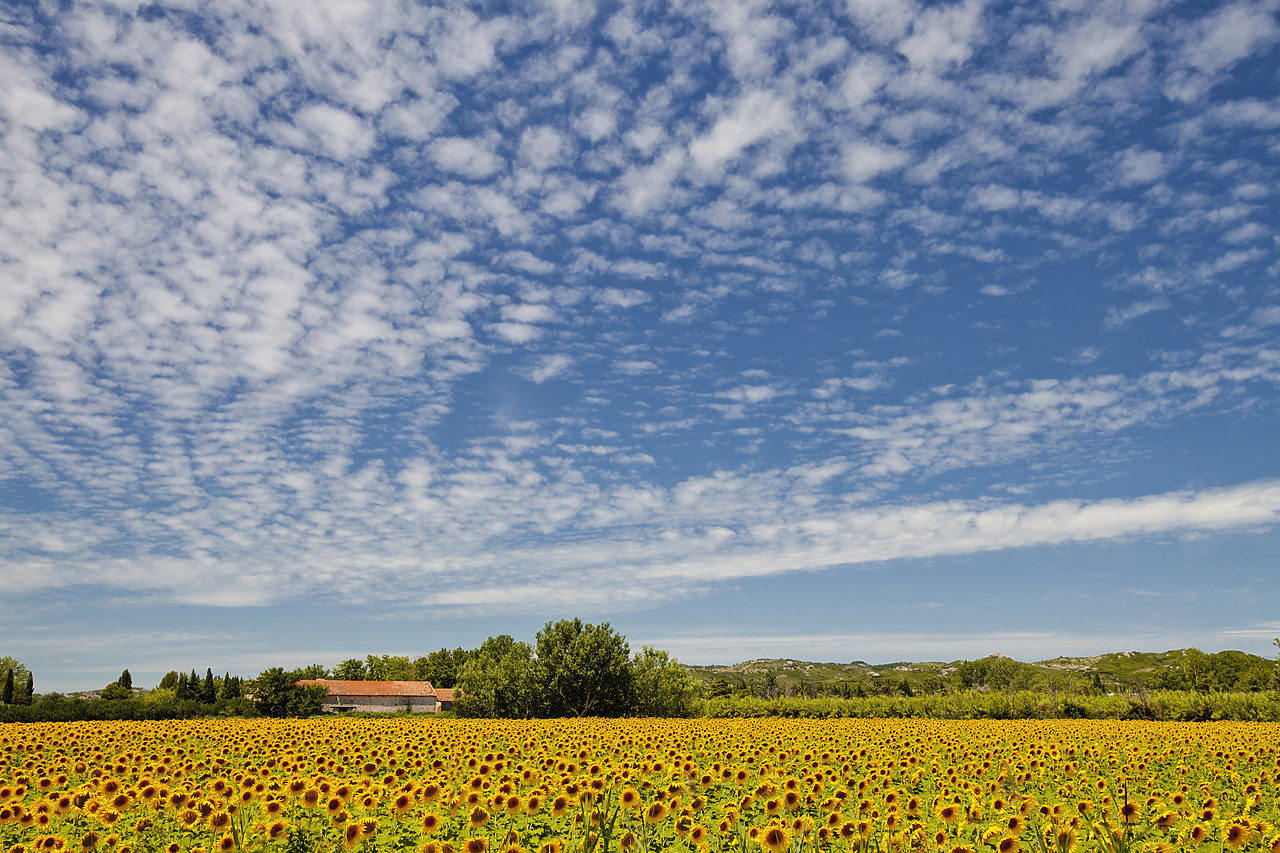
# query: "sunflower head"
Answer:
x=774 y=839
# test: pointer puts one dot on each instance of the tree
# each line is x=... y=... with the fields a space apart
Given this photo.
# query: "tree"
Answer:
x=7 y=696
x=996 y=673
x=8 y=664
x=441 y=667
x=208 y=689
x=351 y=669
x=169 y=682
x=275 y=694
x=310 y=671
x=126 y=681
x=115 y=691
x=28 y=691
x=1197 y=670
x=719 y=689
x=500 y=680
x=388 y=668
x=663 y=688
x=585 y=669
x=230 y=688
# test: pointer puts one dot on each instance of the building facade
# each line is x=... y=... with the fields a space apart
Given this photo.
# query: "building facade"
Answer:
x=377 y=696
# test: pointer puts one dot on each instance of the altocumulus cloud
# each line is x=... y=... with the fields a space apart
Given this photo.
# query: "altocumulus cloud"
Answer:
x=368 y=302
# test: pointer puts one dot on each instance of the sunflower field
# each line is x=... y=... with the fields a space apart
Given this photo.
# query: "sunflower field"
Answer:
x=600 y=786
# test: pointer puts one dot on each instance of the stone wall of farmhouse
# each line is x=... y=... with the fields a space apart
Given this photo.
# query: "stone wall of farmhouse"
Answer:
x=384 y=704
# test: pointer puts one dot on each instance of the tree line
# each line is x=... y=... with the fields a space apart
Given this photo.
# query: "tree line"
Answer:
x=572 y=669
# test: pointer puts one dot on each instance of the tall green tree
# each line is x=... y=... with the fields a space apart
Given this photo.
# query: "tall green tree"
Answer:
x=351 y=669
x=230 y=688
x=501 y=679
x=28 y=691
x=208 y=688
x=663 y=688
x=126 y=681
x=441 y=667
x=1197 y=670
x=169 y=682
x=276 y=694
x=8 y=664
x=115 y=692
x=585 y=670
x=388 y=667
x=7 y=695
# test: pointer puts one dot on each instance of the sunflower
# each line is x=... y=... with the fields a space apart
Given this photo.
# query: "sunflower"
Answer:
x=277 y=829
x=350 y=836
x=478 y=817
x=476 y=845
x=89 y=840
x=948 y=814
x=774 y=839
x=226 y=844
x=1236 y=835
x=655 y=813
x=1008 y=844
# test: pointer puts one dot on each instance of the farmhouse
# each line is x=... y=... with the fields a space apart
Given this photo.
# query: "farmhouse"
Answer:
x=383 y=696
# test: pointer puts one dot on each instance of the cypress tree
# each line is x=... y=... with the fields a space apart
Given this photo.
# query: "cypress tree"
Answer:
x=209 y=693
x=29 y=691
x=7 y=697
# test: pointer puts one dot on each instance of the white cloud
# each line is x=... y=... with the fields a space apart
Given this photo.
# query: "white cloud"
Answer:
x=943 y=35
x=755 y=116
x=1140 y=166
x=864 y=160
x=342 y=135
x=1232 y=33
x=516 y=333
x=471 y=158
x=550 y=367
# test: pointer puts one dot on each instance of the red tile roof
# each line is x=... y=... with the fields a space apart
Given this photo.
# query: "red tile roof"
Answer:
x=444 y=694
x=374 y=688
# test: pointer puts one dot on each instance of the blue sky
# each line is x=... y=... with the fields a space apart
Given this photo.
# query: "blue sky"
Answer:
x=853 y=330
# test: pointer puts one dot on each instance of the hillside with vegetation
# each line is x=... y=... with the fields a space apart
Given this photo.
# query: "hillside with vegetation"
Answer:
x=1116 y=672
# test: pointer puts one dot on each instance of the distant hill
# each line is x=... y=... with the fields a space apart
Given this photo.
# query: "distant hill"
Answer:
x=1116 y=671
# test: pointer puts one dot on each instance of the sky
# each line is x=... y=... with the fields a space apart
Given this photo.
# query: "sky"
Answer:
x=855 y=330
